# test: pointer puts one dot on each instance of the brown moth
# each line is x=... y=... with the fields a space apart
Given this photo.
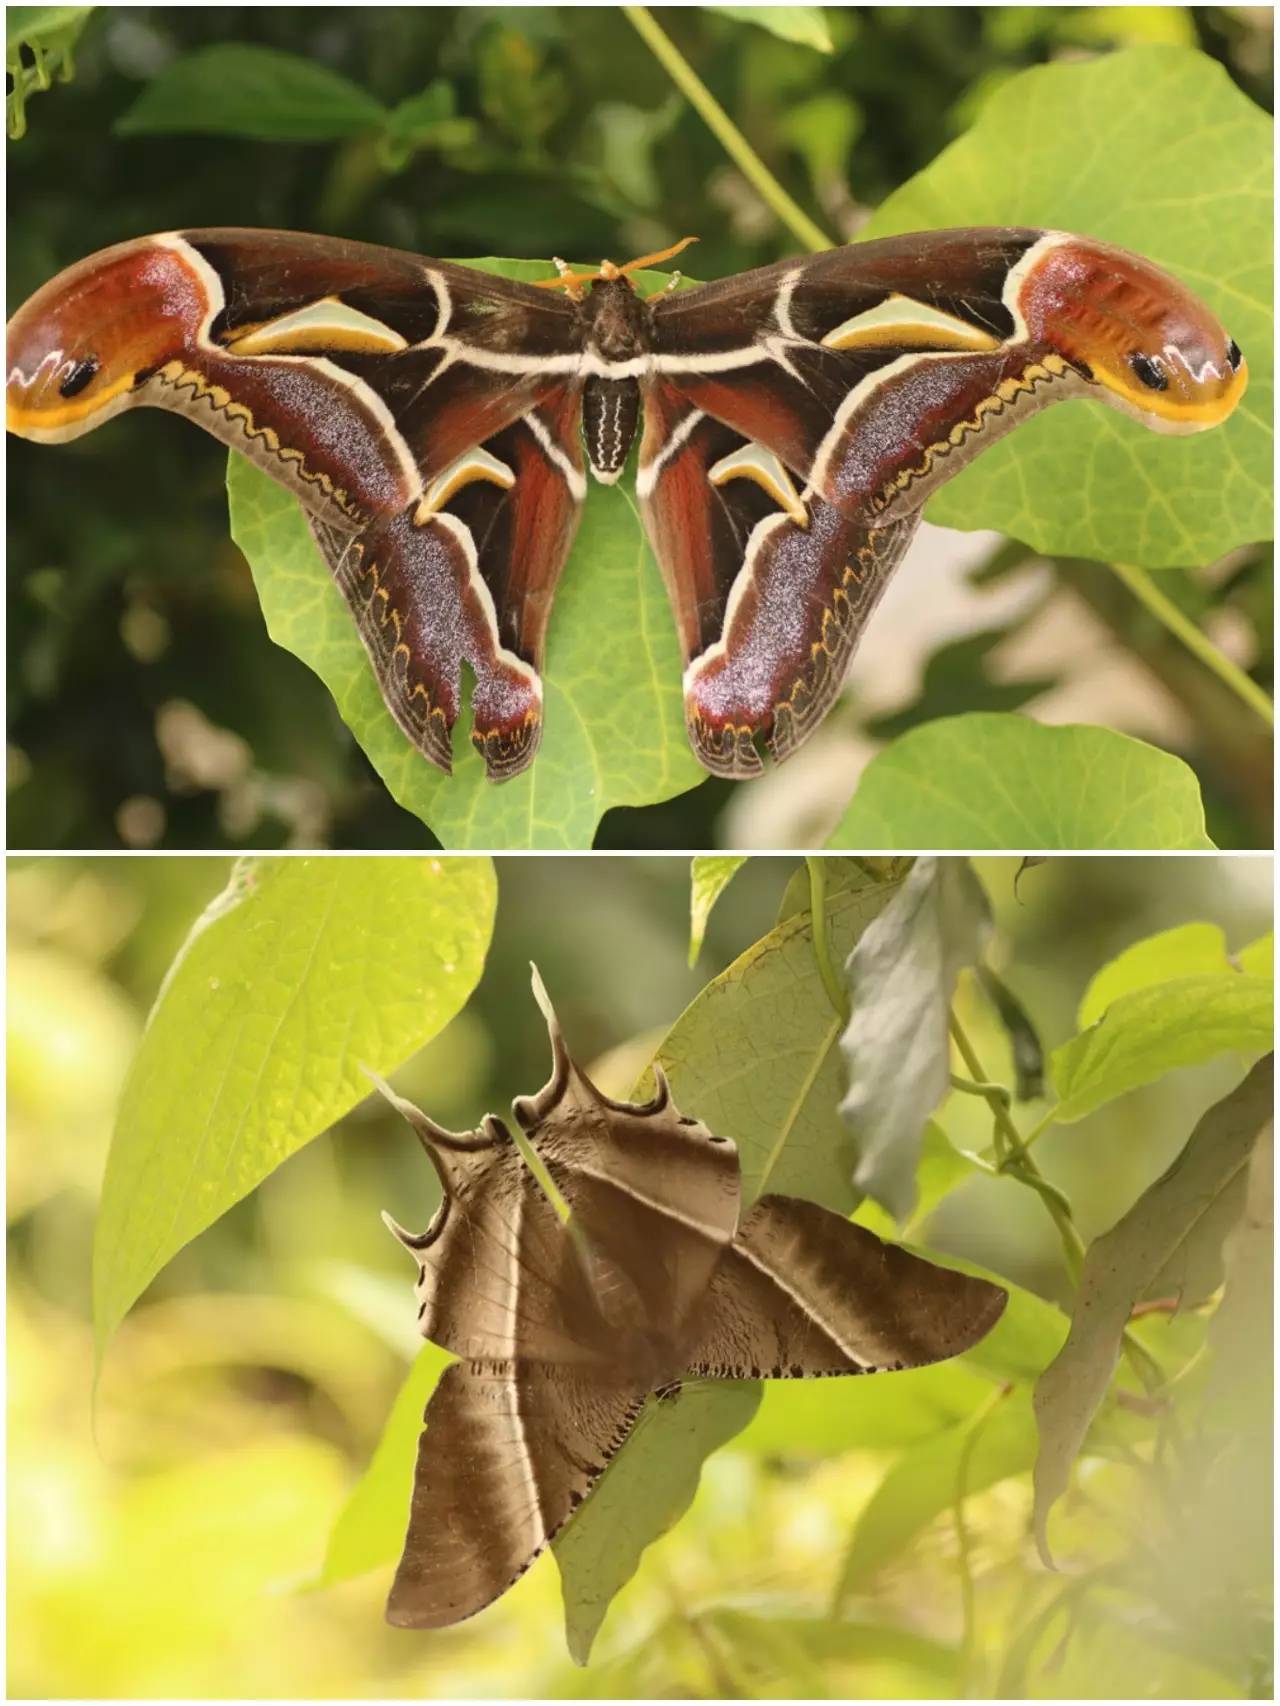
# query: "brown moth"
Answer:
x=566 y=1328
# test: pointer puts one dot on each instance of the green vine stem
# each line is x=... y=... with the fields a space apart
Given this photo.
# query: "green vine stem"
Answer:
x=1166 y=612
x=836 y=993
x=722 y=127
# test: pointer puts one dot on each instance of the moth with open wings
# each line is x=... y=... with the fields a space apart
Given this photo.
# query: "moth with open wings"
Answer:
x=566 y=1328
x=437 y=424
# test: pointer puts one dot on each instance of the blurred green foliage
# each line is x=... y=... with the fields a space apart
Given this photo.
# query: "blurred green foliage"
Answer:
x=244 y=1395
x=147 y=703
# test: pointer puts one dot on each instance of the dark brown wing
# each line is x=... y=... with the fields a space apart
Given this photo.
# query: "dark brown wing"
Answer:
x=425 y=415
x=875 y=371
x=508 y=1453
x=802 y=1292
x=771 y=586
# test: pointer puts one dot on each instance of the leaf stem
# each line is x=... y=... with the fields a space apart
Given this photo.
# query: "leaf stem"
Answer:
x=821 y=947
x=722 y=127
x=1166 y=612
x=1017 y=1163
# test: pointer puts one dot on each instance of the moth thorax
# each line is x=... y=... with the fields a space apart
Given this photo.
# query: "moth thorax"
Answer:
x=610 y=413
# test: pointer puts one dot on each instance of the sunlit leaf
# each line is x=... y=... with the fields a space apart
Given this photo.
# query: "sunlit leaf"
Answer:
x=301 y=972
x=1258 y=958
x=1000 y=783
x=242 y=89
x=370 y=1528
x=647 y=1488
x=901 y=975
x=924 y=1481
x=1180 y=952
x=1152 y=1031
x=1059 y=147
x=1120 y=1265
x=710 y=876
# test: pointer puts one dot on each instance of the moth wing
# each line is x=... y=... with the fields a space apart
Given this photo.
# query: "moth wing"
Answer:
x=803 y=1292
x=425 y=416
x=874 y=371
x=508 y=1453
x=771 y=586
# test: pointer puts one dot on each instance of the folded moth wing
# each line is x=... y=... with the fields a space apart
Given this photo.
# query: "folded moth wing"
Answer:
x=803 y=1292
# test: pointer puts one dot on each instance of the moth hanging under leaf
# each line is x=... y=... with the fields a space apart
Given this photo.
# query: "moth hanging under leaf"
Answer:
x=437 y=423
x=630 y=1269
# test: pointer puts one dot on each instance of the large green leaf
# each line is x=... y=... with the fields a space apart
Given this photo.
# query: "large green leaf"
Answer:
x=710 y=876
x=239 y=89
x=1156 y=149
x=300 y=973
x=755 y=1055
x=614 y=729
x=1185 y=950
x=1155 y=1030
x=1000 y=783
x=1120 y=1265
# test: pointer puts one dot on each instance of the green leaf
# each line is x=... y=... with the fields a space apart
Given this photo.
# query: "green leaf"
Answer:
x=902 y=974
x=924 y=1481
x=39 y=42
x=1120 y=1265
x=1259 y=957
x=614 y=731
x=803 y=24
x=369 y=1530
x=235 y=89
x=1180 y=952
x=1152 y=1031
x=822 y=1418
x=755 y=1055
x=648 y=1487
x=1156 y=149
x=1000 y=783
x=302 y=971
x=711 y=875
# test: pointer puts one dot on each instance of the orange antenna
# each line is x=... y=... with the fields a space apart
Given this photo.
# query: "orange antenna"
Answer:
x=572 y=282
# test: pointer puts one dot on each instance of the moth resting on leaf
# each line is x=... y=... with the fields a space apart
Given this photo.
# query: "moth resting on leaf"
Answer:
x=437 y=423
x=565 y=1329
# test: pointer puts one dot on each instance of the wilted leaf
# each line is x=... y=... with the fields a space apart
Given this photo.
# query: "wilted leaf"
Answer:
x=711 y=875
x=1157 y=187
x=902 y=975
x=301 y=972
x=614 y=730
x=1180 y=952
x=238 y=89
x=370 y=1528
x=1024 y=1039
x=1120 y=1265
x=647 y=1488
x=1152 y=1031
x=1001 y=783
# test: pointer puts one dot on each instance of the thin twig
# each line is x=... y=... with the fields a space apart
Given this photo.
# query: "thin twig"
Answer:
x=1166 y=612
x=724 y=130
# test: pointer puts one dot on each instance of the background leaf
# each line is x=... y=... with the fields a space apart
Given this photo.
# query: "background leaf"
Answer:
x=1152 y=1031
x=302 y=971
x=1180 y=952
x=1001 y=783
x=710 y=876
x=901 y=976
x=1172 y=161
x=803 y=24
x=237 y=89
x=1118 y=1267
